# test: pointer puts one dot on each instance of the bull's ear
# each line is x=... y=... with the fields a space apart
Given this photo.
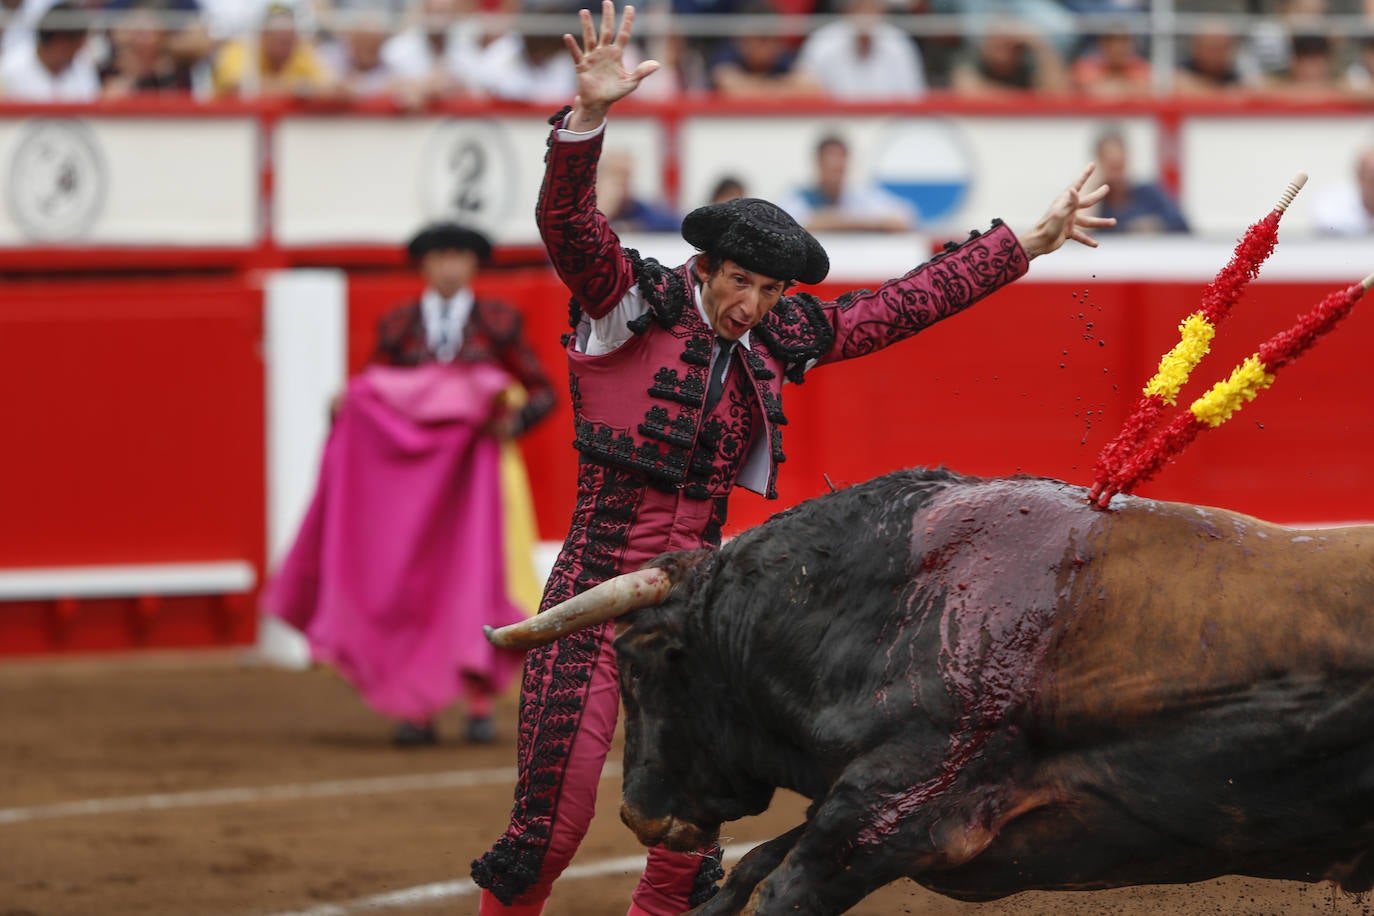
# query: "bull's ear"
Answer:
x=681 y=565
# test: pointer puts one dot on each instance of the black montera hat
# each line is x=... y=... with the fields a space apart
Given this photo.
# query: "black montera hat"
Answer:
x=759 y=236
x=449 y=235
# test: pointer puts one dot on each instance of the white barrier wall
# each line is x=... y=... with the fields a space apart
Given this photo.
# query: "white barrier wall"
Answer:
x=369 y=180
x=129 y=181
x=305 y=328
x=969 y=169
x=375 y=181
x=1235 y=165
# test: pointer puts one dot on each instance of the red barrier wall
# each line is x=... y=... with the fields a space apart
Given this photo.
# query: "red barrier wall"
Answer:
x=133 y=416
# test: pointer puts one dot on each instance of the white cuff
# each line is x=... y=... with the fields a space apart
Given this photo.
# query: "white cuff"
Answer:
x=578 y=136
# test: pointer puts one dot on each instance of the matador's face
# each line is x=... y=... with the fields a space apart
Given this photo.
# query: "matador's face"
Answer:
x=448 y=270
x=736 y=299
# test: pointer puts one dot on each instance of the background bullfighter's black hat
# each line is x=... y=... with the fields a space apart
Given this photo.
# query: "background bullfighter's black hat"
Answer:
x=758 y=236
x=449 y=235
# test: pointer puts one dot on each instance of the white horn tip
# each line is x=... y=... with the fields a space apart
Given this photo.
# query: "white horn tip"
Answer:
x=1367 y=282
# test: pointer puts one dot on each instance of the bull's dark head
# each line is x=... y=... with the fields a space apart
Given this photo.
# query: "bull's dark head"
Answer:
x=683 y=749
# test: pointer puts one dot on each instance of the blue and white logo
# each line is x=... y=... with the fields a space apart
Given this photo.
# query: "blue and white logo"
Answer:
x=927 y=163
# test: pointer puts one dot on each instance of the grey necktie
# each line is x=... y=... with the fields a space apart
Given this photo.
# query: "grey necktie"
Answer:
x=720 y=367
x=441 y=345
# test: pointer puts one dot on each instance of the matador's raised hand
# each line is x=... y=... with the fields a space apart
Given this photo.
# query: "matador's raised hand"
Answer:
x=1066 y=219
x=602 y=79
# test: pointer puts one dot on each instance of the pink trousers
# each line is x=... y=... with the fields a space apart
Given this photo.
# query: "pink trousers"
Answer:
x=668 y=876
x=569 y=706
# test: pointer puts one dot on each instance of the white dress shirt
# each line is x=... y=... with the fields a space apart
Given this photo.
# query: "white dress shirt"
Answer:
x=24 y=78
x=445 y=320
x=892 y=68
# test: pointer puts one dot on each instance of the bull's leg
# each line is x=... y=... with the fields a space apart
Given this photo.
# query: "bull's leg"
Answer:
x=749 y=871
x=869 y=831
x=812 y=884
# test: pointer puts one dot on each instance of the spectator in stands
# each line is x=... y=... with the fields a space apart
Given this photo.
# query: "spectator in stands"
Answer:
x=1010 y=57
x=355 y=55
x=231 y=19
x=1348 y=207
x=1312 y=68
x=20 y=30
x=1049 y=20
x=438 y=54
x=330 y=12
x=682 y=67
x=938 y=50
x=759 y=63
x=706 y=7
x=1111 y=67
x=861 y=57
x=728 y=187
x=837 y=203
x=1358 y=79
x=616 y=197
x=1271 y=37
x=9 y=11
x=1211 y=63
x=52 y=68
x=412 y=473
x=1141 y=207
x=529 y=67
x=284 y=63
x=144 y=51
x=695 y=49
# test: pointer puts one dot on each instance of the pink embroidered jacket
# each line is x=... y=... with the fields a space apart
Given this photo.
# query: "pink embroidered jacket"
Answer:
x=640 y=407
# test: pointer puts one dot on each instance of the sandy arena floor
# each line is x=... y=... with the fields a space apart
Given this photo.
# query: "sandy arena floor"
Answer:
x=208 y=784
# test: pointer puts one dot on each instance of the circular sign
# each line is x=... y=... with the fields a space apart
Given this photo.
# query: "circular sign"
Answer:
x=57 y=180
x=926 y=162
x=468 y=174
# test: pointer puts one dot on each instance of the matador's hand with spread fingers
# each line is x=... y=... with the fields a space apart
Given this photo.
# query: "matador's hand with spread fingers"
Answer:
x=1066 y=219
x=602 y=79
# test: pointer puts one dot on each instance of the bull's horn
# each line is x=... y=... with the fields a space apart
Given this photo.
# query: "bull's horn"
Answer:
x=611 y=598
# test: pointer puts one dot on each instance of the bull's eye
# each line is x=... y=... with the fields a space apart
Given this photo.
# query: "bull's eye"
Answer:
x=632 y=671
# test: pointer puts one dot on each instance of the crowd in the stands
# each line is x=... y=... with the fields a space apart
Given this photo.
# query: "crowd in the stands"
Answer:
x=416 y=51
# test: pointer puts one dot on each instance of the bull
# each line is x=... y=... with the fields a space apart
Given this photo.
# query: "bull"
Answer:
x=988 y=686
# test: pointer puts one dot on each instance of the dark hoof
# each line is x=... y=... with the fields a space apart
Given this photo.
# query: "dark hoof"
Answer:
x=412 y=734
x=481 y=730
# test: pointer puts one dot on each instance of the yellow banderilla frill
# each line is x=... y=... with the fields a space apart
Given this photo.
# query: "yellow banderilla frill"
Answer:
x=1225 y=398
x=1195 y=339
